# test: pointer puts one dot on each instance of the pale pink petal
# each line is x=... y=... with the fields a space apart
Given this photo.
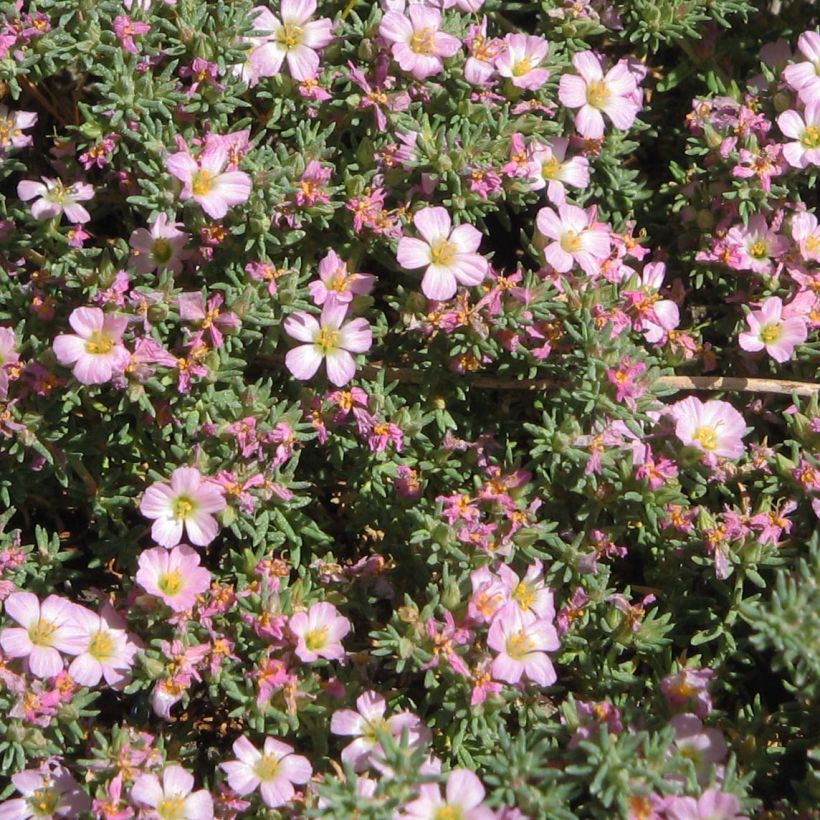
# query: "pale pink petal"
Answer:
x=45 y=662
x=620 y=81
x=347 y=722
x=470 y=269
x=439 y=283
x=176 y=780
x=23 y=607
x=246 y=751
x=276 y=792
x=504 y=668
x=622 y=113
x=791 y=124
x=85 y=321
x=28 y=189
x=157 y=501
x=590 y=122
x=297 y=11
x=199 y=806
x=558 y=258
x=167 y=532
x=464 y=789
x=303 y=62
x=303 y=361
x=16 y=642
x=466 y=238
x=413 y=253
x=356 y=336
x=233 y=186
x=76 y=213
x=182 y=165
x=302 y=326
x=267 y=59
x=539 y=669
x=202 y=529
x=85 y=670
x=588 y=66
x=396 y=27
x=295 y=768
x=240 y=776
x=147 y=790
x=341 y=367
x=433 y=224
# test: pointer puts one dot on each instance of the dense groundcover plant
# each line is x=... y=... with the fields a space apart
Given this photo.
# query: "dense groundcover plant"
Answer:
x=409 y=409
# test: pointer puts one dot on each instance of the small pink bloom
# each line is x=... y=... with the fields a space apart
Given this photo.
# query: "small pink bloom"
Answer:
x=12 y=125
x=713 y=804
x=45 y=631
x=522 y=642
x=319 y=633
x=521 y=61
x=190 y=502
x=418 y=44
x=107 y=653
x=274 y=771
x=173 y=798
x=704 y=747
x=361 y=724
x=804 y=77
x=126 y=29
x=95 y=349
x=447 y=254
x=770 y=331
x=757 y=244
x=50 y=786
x=206 y=182
x=576 y=239
x=295 y=38
x=463 y=798
x=805 y=131
x=326 y=339
x=549 y=168
x=160 y=247
x=690 y=688
x=54 y=198
x=596 y=94
x=806 y=233
x=714 y=427
x=8 y=356
x=174 y=576
x=336 y=283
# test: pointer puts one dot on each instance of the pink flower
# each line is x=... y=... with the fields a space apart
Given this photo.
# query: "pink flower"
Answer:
x=274 y=771
x=530 y=595
x=576 y=239
x=689 y=687
x=702 y=746
x=52 y=787
x=651 y=315
x=770 y=331
x=521 y=59
x=757 y=244
x=160 y=247
x=174 y=576
x=8 y=356
x=45 y=630
x=12 y=125
x=522 y=642
x=548 y=167
x=126 y=29
x=714 y=427
x=418 y=44
x=463 y=796
x=205 y=181
x=295 y=38
x=173 y=798
x=805 y=131
x=337 y=284
x=95 y=349
x=107 y=652
x=448 y=254
x=189 y=501
x=594 y=93
x=319 y=633
x=804 y=77
x=326 y=339
x=806 y=233
x=713 y=804
x=54 y=198
x=366 y=749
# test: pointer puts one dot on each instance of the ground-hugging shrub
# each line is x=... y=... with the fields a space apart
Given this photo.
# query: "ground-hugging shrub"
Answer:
x=409 y=409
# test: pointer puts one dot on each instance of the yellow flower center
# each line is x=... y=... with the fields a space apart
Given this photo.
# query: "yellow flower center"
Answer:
x=172 y=808
x=101 y=647
x=370 y=730
x=40 y=634
x=518 y=645
x=339 y=283
x=183 y=507
x=44 y=802
x=811 y=136
x=99 y=344
x=771 y=332
x=327 y=340
x=422 y=41
x=170 y=582
x=448 y=813
x=290 y=36
x=598 y=94
x=812 y=243
x=7 y=130
x=707 y=437
x=758 y=249
x=266 y=768
x=202 y=183
x=58 y=193
x=443 y=253
x=570 y=242
x=525 y=595
x=522 y=67
x=551 y=168
x=316 y=639
x=161 y=251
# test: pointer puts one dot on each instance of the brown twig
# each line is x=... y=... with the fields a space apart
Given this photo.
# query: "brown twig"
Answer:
x=783 y=387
